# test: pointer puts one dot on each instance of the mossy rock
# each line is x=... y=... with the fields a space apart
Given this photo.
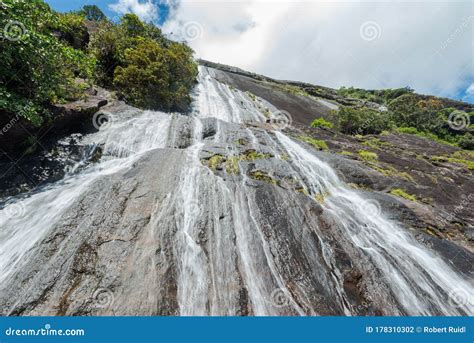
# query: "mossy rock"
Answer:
x=317 y=143
x=402 y=194
x=262 y=176
x=368 y=156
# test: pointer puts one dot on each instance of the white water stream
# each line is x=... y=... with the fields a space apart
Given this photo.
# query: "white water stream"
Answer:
x=418 y=278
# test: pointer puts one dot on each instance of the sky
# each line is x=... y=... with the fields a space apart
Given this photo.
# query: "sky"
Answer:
x=427 y=45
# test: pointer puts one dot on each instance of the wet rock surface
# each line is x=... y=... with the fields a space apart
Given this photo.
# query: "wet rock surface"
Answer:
x=31 y=157
x=426 y=169
x=220 y=213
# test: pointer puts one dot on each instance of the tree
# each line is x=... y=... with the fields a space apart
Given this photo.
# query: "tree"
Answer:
x=92 y=12
x=363 y=120
x=156 y=77
x=132 y=25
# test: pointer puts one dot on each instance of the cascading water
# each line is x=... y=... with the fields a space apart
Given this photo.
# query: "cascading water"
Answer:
x=221 y=252
x=25 y=221
x=419 y=278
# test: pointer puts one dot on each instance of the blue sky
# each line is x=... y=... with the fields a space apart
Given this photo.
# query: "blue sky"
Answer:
x=426 y=45
x=66 y=6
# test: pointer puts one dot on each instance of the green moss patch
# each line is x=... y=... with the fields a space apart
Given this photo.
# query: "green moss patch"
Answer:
x=214 y=162
x=376 y=143
x=368 y=156
x=467 y=163
x=262 y=176
x=251 y=155
x=317 y=143
x=231 y=163
x=390 y=171
x=345 y=153
x=402 y=194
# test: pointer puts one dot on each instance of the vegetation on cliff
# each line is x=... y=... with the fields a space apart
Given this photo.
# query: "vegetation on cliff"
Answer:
x=407 y=112
x=48 y=57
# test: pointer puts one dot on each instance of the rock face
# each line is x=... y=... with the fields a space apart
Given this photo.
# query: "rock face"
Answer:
x=222 y=213
x=32 y=157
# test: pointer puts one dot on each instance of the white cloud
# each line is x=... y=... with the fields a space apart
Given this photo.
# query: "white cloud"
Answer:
x=146 y=10
x=426 y=45
x=469 y=94
x=470 y=89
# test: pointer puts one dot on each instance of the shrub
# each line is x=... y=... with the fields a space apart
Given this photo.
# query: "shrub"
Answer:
x=409 y=130
x=382 y=96
x=321 y=122
x=363 y=120
x=107 y=45
x=467 y=141
x=72 y=29
x=425 y=115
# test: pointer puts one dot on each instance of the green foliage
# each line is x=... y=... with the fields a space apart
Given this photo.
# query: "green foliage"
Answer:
x=132 y=25
x=409 y=112
x=321 y=122
x=18 y=105
x=50 y=52
x=368 y=156
x=409 y=130
x=37 y=68
x=92 y=12
x=146 y=68
x=427 y=118
x=424 y=115
x=382 y=96
x=71 y=28
x=156 y=77
x=467 y=141
x=354 y=120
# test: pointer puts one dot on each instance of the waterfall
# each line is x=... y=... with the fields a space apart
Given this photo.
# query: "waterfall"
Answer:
x=230 y=256
x=24 y=221
x=420 y=279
